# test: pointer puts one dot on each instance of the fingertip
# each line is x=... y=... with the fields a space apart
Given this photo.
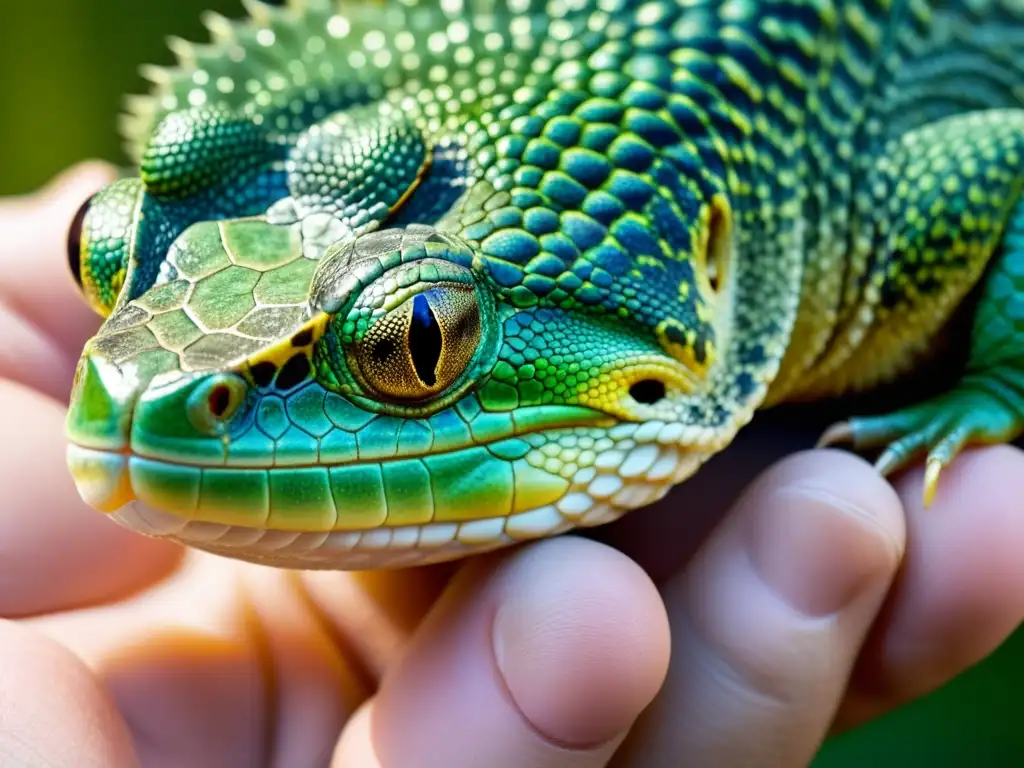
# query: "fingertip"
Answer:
x=823 y=526
x=768 y=617
x=543 y=656
x=851 y=483
x=54 y=711
x=987 y=474
x=355 y=747
x=581 y=657
x=968 y=545
x=960 y=592
x=61 y=200
x=73 y=185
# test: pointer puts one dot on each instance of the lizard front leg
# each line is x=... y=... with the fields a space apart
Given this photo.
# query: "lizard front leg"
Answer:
x=978 y=218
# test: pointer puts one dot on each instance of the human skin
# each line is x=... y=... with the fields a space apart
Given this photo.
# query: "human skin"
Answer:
x=720 y=627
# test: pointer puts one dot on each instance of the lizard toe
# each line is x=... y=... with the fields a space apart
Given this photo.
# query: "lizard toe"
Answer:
x=938 y=429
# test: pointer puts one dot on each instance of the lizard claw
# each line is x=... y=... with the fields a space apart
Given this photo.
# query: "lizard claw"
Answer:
x=893 y=460
x=931 y=480
x=939 y=429
x=836 y=434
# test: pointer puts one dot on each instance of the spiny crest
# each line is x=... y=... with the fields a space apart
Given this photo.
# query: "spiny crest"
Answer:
x=279 y=51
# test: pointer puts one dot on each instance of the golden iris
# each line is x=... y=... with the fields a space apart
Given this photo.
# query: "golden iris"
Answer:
x=423 y=346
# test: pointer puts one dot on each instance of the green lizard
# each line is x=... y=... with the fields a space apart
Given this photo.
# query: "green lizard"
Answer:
x=398 y=282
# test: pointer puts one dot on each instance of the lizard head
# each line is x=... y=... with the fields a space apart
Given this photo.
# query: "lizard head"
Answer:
x=406 y=396
x=395 y=316
x=394 y=285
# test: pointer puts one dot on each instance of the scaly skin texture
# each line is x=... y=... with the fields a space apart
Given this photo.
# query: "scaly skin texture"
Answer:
x=399 y=282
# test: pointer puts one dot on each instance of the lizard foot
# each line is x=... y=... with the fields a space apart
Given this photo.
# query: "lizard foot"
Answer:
x=940 y=428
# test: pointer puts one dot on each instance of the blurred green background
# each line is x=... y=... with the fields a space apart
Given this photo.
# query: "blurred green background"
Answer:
x=64 y=65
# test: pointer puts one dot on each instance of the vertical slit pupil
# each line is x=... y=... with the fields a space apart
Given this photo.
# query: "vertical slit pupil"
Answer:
x=424 y=340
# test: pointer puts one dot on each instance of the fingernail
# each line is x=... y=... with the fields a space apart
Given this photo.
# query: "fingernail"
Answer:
x=538 y=674
x=582 y=656
x=817 y=551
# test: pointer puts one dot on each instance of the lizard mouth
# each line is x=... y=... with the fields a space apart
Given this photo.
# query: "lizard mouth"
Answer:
x=101 y=476
x=553 y=491
x=385 y=547
x=237 y=488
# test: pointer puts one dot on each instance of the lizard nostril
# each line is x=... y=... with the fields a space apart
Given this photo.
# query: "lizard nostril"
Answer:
x=648 y=391
x=219 y=400
x=214 y=403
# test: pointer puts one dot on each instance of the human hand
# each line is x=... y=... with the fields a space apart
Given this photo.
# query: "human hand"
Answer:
x=788 y=620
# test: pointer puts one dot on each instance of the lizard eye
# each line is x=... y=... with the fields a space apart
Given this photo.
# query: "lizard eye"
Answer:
x=75 y=241
x=421 y=347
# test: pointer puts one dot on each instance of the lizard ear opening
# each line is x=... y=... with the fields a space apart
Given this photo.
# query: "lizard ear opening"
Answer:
x=718 y=247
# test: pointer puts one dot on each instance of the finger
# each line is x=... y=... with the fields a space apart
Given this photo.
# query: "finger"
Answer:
x=961 y=591
x=29 y=357
x=53 y=711
x=374 y=614
x=183 y=664
x=769 y=617
x=225 y=663
x=57 y=552
x=35 y=282
x=316 y=684
x=541 y=658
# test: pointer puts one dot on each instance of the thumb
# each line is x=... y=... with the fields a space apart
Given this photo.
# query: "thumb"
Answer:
x=543 y=657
